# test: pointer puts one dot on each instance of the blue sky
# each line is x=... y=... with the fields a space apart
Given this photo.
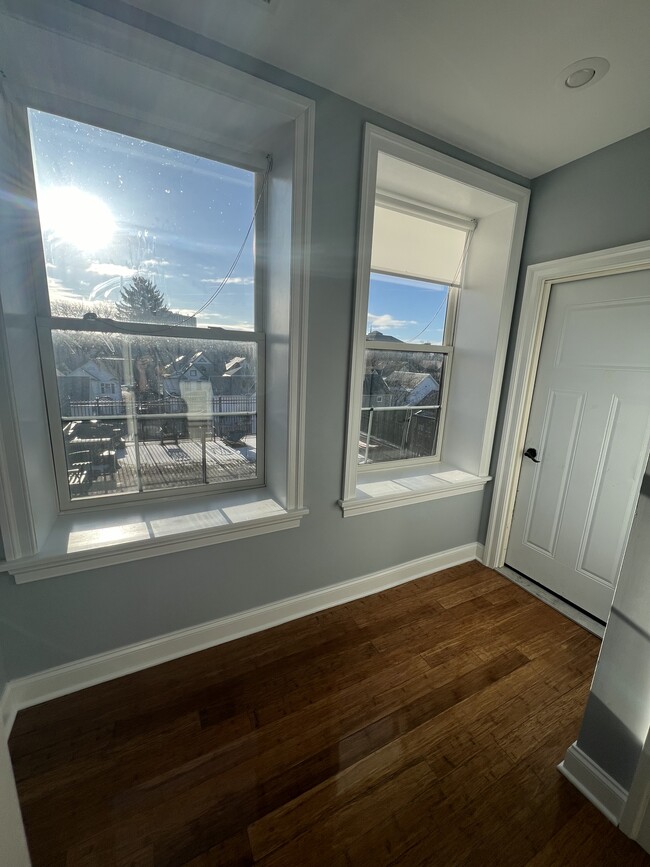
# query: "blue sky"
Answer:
x=175 y=217
x=411 y=310
x=112 y=206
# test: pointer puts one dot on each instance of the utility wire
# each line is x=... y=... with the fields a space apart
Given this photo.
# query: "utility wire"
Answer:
x=124 y=328
x=454 y=282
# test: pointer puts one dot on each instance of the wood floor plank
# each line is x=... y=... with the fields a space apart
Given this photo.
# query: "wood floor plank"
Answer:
x=421 y=725
x=584 y=840
x=326 y=841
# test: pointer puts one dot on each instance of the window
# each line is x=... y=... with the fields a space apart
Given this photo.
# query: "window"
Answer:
x=150 y=264
x=439 y=243
x=119 y=487
x=417 y=262
x=408 y=361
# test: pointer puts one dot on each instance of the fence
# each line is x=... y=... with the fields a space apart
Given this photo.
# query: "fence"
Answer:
x=227 y=416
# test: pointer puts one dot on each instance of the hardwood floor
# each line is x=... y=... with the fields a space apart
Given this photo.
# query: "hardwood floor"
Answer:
x=420 y=726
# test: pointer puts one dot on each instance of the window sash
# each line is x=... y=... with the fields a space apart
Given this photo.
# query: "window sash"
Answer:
x=421 y=348
x=47 y=324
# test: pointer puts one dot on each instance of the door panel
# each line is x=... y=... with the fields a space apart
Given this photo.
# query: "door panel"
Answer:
x=590 y=424
x=559 y=437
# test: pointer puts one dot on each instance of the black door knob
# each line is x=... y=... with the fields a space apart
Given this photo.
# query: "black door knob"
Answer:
x=532 y=454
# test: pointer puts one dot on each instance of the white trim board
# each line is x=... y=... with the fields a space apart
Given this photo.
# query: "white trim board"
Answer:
x=597 y=786
x=43 y=686
x=537 y=289
x=7 y=711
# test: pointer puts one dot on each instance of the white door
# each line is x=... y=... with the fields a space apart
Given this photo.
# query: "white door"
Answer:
x=590 y=426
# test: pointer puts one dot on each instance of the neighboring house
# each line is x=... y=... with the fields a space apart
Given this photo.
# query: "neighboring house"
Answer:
x=237 y=378
x=376 y=391
x=89 y=382
x=191 y=367
x=412 y=389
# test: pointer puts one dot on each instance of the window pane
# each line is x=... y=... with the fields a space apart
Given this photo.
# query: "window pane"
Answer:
x=153 y=413
x=133 y=230
x=406 y=310
x=400 y=405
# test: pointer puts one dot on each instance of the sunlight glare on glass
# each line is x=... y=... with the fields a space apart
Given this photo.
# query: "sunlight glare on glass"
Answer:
x=76 y=217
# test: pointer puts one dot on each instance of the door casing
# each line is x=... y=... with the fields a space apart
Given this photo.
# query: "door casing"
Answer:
x=537 y=290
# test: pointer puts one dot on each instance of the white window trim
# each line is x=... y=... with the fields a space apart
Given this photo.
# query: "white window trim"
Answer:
x=399 y=488
x=32 y=549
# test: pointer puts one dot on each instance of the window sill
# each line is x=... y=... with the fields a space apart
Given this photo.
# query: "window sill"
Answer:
x=105 y=537
x=388 y=490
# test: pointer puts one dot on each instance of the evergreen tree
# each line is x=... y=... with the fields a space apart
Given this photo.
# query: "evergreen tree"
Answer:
x=142 y=301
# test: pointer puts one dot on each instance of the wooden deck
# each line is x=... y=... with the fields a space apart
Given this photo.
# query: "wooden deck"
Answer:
x=419 y=726
x=173 y=466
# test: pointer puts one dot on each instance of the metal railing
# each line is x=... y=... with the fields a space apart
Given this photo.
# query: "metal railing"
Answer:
x=410 y=411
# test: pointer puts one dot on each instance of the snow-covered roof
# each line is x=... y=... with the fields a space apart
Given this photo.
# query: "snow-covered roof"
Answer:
x=94 y=371
x=406 y=379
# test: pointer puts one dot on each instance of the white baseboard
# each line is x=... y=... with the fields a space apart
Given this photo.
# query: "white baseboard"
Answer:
x=596 y=785
x=36 y=688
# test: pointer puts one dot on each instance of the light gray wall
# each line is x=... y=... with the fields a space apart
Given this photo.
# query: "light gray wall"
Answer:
x=601 y=201
x=597 y=202
x=55 y=621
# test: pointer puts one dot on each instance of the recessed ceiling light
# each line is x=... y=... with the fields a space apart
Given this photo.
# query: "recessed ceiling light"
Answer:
x=583 y=73
x=580 y=77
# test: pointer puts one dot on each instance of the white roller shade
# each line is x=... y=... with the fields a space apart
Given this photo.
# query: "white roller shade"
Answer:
x=416 y=247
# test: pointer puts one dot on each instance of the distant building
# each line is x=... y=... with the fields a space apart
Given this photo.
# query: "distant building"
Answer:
x=89 y=382
x=191 y=367
x=412 y=389
x=376 y=391
x=377 y=335
x=238 y=377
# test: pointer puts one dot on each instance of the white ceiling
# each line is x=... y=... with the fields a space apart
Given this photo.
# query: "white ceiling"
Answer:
x=480 y=74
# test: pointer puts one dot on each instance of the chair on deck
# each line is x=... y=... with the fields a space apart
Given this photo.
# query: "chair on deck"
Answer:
x=80 y=473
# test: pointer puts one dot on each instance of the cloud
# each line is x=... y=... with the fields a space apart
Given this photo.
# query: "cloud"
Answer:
x=106 y=269
x=239 y=281
x=186 y=311
x=59 y=292
x=385 y=320
x=239 y=326
x=220 y=321
x=105 y=289
x=155 y=263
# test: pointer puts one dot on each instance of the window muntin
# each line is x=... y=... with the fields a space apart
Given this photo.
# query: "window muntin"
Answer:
x=142 y=241
x=114 y=209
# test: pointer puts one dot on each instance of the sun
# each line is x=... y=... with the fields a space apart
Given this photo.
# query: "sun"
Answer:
x=76 y=217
